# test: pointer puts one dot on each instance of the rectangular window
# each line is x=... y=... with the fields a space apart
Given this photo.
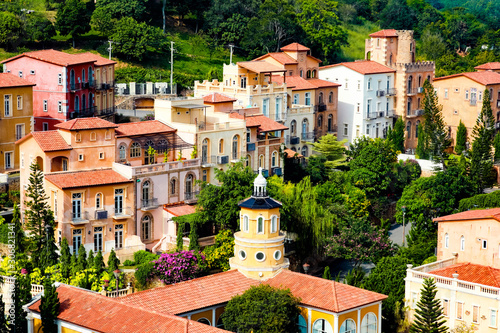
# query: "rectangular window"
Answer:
x=65 y=164
x=243 y=82
x=357 y=131
x=484 y=244
x=367 y=129
x=446 y=307
x=358 y=107
x=22 y=160
x=466 y=94
x=45 y=126
x=460 y=310
x=359 y=85
x=101 y=156
x=446 y=93
x=19 y=131
x=80 y=157
x=59 y=106
x=59 y=237
x=119 y=201
x=59 y=79
x=368 y=107
x=308 y=98
x=19 y=102
x=475 y=314
x=346 y=129
x=346 y=84
x=493 y=318
x=97 y=239
x=260 y=225
x=296 y=99
x=77 y=206
x=278 y=109
x=265 y=107
x=45 y=105
x=118 y=236
x=77 y=240
x=7 y=105
x=21 y=74
x=9 y=160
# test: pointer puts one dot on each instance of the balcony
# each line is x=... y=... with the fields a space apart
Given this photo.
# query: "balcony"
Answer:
x=415 y=113
x=391 y=92
x=191 y=197
x=390 y=114
x=375 y=115
x=84 y=113
x=320 y=107
x=414 y=91
x=105 y=85
x=79 y=219
x=473 y=102
x=380 y=93
x=307 y=136
x=76 y=86
x=106 y=112
x=149 y=204
x=294 y=140
x=142 y=170
x=124 y=213
x=208 y=161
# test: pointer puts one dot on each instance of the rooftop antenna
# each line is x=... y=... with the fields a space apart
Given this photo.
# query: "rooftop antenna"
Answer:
x=171 y=66
x=110 y=48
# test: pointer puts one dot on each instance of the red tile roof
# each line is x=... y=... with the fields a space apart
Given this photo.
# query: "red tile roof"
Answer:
x=295 y=47
x=86 y=124
x=295 y=82
x=291 y=154
x=48 y=140
x=265 y=124
x=73 y=179
x=260 y=66
x=484 y=78
x=480 y=274
x=53 y=56
x=218 y=98
x=220 y=288
x=10 y=80
x=180 y=210
x=364 y=67
x=492 y=213
x=385 y=33
x=108 y=315
x=489 y=66
x=100 y=61
x=142 y=128
x=280 y=57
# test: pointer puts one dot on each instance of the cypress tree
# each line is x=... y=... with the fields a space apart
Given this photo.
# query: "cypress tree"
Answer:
x=99 y=262
x=461 y=138
x=421 y=151
x=429 y=316
x=496 y=145
x=74 y=265
x=49 y=256
x=65 y=260
x=397 y=135
x=481 y=155
x=22 y=296
x=90 y=259
x=113 y=261
x=81 y=262
x=49 y=307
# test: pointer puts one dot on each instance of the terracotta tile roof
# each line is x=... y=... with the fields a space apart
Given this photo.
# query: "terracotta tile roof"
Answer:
x=86 y=124
x=100 y=61
x=291 y=154
x=295 y=47
x=180 y=210
x=53 y=56
x=470 y=272
x=280 y=57
x=492 y=213
x=48 y=140
x=107 y=315
x=142 y=128
x=220 y=288
x=364 y=67
x=489 y=66
x=265 y=124
x=11 y=80
x=485 y=78
x=260 y=66
x=385 y=33
x=218 y=98
x=295 y=82
x=73 y=179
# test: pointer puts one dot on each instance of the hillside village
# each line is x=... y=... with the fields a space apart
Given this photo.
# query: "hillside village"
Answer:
x=289 y=192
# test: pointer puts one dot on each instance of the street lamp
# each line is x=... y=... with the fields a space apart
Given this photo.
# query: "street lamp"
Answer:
x=306 y=267
x=116 y=273
x=403 y=209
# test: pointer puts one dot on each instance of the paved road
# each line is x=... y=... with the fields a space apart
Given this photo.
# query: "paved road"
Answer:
x=396 y=233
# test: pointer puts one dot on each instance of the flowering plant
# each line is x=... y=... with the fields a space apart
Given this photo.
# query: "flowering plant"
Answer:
x=178 y=266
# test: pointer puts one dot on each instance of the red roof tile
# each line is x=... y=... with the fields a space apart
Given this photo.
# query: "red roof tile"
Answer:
x=385 y=33
x=280 y=57
x=86 y=124
x=220 y=288
x=72 y=179
x=265 y=124
x=260 y=66
x=492 y=213
x=291 y=154
x=295 y=47
x=100 y=61
x=142 y=128
x=480 y=274
x=108 y=315
x=53 y=56
x=295 y=82
x=364 y=67
x=180 y=210
x=217 y=98
x=484 y=78
x=10 y=80
x=48 y=140
x=489 y=66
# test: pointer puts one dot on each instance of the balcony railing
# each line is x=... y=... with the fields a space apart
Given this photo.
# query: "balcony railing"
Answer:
x=84 y=113
x=190 y=197
x=376 y=114
x=105 y=85
x=415 y=113
x=75 y=86
x=390 y=114
x=414 y=91
x=106 y=112
x=81 y=218
x=208 y=160
x=123 y=213
x=390 y=92
x=149 y=203
x=320 y=107
x=307 y=136
x=292 y=140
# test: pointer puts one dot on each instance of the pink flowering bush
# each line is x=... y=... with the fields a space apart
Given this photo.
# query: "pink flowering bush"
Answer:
x=179 y=266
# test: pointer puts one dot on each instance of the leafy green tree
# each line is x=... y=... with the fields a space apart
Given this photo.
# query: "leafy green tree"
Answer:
x=99 y=262
x=434 y=44
x=333 y=150
x=436 y=133
x=262 y=309
x=421 y=151
x=49 y=307
x=460 y=146
x=136 y=9
x=496 y=146
x=102 y=20
x=39 y=28
x=397 y=135
x=65 y=260
x=429 y=317
x=113 y=261
x=217 y=256
x=10 y=30
x=74 y=265
x=73 y=19
x=90 y=259
x=397 y=15
x=316 y=169
x=49 y=256
x=481 y=155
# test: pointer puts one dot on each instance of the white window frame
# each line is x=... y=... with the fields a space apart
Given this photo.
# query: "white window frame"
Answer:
x=326 y=328
x=10 y=156
x=493 y=316
x=7 y=103
x=81 y=157
x=366 y=325
x=461 y=312
x=296 y=98
x=59 y=107
x=484 y=244
x=20 y=133
x=478 y=307
x=259 y=220
x=274 y=224
x=446 y=240
x=19 y=102
x=245 y=223
x=263 y=258
x=45 y=105
x=45 y=126
x=462 y=243
x=307 y=100
x=59 y=79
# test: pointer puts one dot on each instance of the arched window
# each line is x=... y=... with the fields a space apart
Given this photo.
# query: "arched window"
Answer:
x=260 y=225
x=221 y=146
x=320 y=121
x=173 y=187
x=204 y=321
x=83 y=74
x=390 y=59
x=420 y=80
x=220 y=323
x=72 y=79
x=304 y=151
x=410 y=84
x=322 y=326
x=246 y=226
x=274 y=159
x=77 y=103
x=408 y=106
x=369 y=323
x=122 y=152
x=320 y=98
x=204 y=151
x=98 y=201
x=189 y=187
x=302 y=323
x=236 y=141
x=90 y=75
x=248 y=162
x=330 y=123
x=462 y=243
x=418 y=103
x=293 y=127
x=146 y=193
x=416 y=128
x=313 y=74
x=308 y=74
x=84 y=102
x=408 y=129
x=135 y=149
x=370 y=84
x=429 y=78
x=146 y=227
x=93 y=136
x=305 y=128
x=162 y=146
x=348 y=326
x=446 y=241
x=274 y=224
x=261 y=161
x=330 y=97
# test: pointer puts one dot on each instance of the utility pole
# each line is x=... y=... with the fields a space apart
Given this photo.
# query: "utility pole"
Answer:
x=171 y=67
x=231 y=46
x=404 y=213
x=110 y=48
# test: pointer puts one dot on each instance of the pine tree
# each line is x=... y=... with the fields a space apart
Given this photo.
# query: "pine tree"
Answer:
x=4 y=328
x=496 y=145
x=397 y=135
x=81 y=262
x=461 y=138
x=74 y=265
x=49 y=256
x=421 y=151
x=65 y=260
x=333 y=150
x=90 y=259
x=429 y=316
x=436 y=133
x=22 y=295
x=113 y=261
x=49 y=307
x=99 y=263
x=481 y=155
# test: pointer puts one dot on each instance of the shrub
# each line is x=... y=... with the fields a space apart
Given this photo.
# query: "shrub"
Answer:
x=128 y=263
x=178 y=267
x=217 y=256
x=141 y=257
x=143 y=274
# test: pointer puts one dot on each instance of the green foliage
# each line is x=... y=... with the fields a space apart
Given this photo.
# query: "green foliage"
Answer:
x=480 y=201
x=461 y=138
x=88 y=279
x=119 y=8
x=151 y=154
x=331 y=149
x=49 y=307
x=90 y=259
x=355 y=277
x=81 y=262
x=22 y=296
x=421 y=151
x=4 y=328
x=496 y=146
x=397 y=135
x=102 y=21
x=142 y=257
x=326 y=273
x=39 y=28
x=481 y=155
x=65 y=260
x=217 y=256
x=99 y=262
x=421 y=245
x=19 y=238
x=49 y=256
x=113 y=261
x=262 y=309
x=143 y=274
x=316 y=169
x=73 y=18
x=429 y=316
x=397 y=15
x=10 y=30
x=429 y=260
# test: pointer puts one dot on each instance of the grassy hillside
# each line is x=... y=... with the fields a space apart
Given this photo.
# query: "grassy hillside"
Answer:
x=356 y=38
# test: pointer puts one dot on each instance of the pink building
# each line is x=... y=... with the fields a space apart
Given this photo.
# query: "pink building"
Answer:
x=65 y=84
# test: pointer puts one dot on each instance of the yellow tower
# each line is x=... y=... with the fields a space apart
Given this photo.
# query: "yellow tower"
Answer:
x=259 y=245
